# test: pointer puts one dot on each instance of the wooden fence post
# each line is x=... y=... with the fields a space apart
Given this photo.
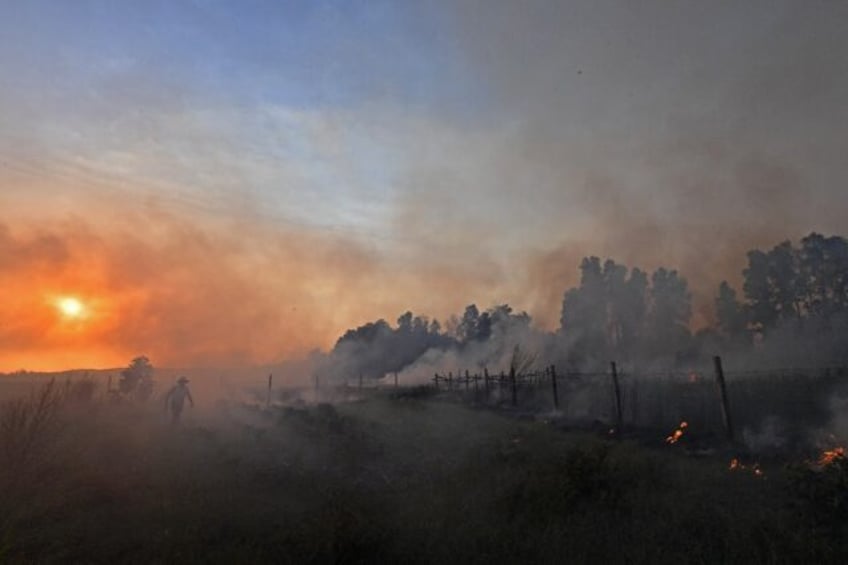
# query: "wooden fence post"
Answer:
x=554 y=386
x=486 y=380
x=618 y=419
x=467 y=378
x=436 y=380
x=270 y=380
x=725 y=405
x=450 y=380
x=514 y=386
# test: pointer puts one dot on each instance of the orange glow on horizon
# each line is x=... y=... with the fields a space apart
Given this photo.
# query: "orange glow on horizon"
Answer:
x=84 y=295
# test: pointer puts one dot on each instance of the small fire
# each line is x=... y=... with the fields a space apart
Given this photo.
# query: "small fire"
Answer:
x=736 y=465
x=677 y=434
x=831 y=455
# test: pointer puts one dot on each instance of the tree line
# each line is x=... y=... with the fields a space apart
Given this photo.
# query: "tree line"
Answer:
x=794 y=302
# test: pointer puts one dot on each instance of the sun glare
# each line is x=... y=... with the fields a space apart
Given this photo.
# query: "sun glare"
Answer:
x=71 y=307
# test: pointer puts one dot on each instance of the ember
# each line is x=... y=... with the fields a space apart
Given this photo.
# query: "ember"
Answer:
x=831 y=455
x=736 y=465
x=678 y=433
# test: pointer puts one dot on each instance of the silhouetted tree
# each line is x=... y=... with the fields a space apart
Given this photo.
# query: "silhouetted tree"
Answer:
x=137 y=379
x=787 y=283
x=467 y=329
x=632 y=310
x=605 y=315
x=797 y=298
x=732 y=318
x=757 y=289
x=670 y=312
x=823 y=265
x=375 y=348
x=584 y=312
x=774 y=287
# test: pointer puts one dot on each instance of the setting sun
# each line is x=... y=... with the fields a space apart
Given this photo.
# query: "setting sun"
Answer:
x=71 y=307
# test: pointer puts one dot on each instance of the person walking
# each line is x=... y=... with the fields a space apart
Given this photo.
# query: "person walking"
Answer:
x=175 y=399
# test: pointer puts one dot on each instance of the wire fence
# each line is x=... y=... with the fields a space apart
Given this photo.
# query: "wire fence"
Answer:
x=714 y=403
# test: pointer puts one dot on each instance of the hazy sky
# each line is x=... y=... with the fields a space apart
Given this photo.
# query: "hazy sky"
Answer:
x=231 y=182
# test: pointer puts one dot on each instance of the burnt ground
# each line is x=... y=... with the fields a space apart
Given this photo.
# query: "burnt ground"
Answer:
x=394 y=478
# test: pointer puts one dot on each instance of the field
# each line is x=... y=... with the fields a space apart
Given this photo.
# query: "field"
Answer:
x=402 y=475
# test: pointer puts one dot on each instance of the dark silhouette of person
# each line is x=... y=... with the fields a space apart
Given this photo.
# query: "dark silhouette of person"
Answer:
x=176 y=397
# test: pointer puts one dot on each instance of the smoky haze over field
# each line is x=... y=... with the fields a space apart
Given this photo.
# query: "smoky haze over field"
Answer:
x=236 y=195
x=296 y=204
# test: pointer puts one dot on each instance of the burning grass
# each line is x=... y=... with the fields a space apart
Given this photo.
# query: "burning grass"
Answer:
x=830 y=456
x=677 y=434
x=753 y=468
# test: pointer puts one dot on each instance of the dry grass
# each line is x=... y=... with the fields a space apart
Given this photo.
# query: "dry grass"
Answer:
x=27 y=426
x=382 y=480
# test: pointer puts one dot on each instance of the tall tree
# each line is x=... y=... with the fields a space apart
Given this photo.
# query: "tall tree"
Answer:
x=670 y=312
x=584 y=311
x=731 y=316
x=775 y=287
x=786 y=282
x=467 y=330
x=823 y=263
x=757 y=289
x=632 y=310
x=606 y=314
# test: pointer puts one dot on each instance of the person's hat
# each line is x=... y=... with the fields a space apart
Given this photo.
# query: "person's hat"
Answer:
x=182 y=380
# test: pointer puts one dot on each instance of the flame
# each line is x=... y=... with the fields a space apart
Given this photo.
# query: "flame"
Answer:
x=831 y=455
x=677 y=434
x=736 y=465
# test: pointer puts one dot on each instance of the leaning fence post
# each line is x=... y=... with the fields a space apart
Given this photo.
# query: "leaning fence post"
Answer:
x=618 y=419
x=725 y=405
x=554 y=387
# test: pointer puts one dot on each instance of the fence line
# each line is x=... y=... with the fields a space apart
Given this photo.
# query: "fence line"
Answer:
x=711 y=404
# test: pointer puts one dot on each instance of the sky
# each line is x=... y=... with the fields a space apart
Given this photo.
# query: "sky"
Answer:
x=231 y=183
